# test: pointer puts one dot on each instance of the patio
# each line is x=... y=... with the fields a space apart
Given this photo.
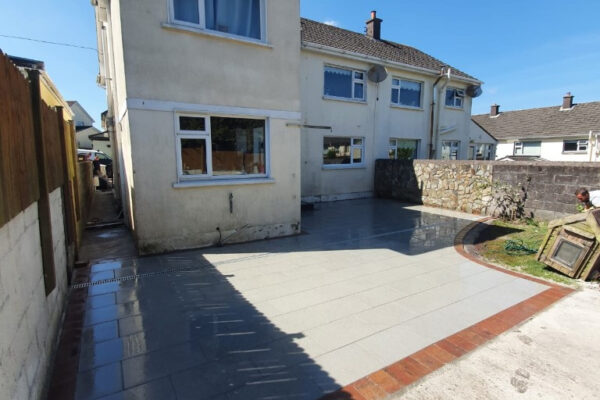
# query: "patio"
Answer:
x=369 y=283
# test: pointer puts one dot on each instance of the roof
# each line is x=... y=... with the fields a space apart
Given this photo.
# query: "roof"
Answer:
x=539 y=123
x=342 y=39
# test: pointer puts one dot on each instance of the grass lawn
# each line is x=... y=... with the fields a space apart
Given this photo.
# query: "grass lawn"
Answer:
x=528 y=234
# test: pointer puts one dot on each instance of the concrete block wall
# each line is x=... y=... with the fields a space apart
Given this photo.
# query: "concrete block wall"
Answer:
x=29 y=319
x=457 y=185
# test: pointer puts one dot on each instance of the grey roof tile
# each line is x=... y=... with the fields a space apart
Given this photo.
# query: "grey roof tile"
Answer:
x=342 y=39
x=542 y=122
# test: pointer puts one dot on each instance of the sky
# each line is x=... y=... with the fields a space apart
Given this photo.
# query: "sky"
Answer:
x=528 y=53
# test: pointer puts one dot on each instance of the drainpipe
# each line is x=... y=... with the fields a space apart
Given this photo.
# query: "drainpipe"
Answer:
x=590 y=145
x=443 y=74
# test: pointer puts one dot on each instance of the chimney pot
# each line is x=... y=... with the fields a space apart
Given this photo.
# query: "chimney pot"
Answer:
x=567 y=101
x=494 y=110
x=374 y=26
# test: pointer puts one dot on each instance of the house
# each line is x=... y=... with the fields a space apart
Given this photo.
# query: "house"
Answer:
x=204 y=101
x=568 y=132
x=364 y=97
x=83 y=125
x=223 y=116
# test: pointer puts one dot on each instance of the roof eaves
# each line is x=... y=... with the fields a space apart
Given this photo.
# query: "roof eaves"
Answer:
x=363 y=57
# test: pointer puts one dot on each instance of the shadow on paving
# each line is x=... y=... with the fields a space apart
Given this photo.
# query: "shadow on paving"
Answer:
x=360 y=224
x=185 y=334
x=173 y=327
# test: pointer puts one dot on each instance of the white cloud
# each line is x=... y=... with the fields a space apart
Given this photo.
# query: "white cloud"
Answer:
x=331 y=22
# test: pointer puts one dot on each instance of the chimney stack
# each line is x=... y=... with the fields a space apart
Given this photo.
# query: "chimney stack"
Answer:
x=494 y=110
x=374 y=26
x=567 y=101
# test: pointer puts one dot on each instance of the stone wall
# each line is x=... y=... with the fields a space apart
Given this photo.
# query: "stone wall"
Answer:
x=29 y=319
x=469 y=185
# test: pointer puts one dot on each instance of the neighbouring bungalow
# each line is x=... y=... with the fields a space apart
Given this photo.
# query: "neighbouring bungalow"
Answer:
x=568 y=132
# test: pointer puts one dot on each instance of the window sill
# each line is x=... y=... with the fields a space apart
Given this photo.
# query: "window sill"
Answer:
x=344 y=99
x=222 y=182
x=343 y=166
x=216 y=34
x=402 y=107
x=574 y=152
x=454 y=108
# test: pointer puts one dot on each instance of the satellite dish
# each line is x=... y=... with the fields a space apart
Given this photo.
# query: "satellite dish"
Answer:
x=377 y=73
x=474 y=91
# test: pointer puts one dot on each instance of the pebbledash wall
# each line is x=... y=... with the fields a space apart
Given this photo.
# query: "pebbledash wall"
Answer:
x=28 y=318
x=468 y=185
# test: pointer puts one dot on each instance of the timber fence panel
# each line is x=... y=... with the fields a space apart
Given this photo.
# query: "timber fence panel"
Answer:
x=18 y=168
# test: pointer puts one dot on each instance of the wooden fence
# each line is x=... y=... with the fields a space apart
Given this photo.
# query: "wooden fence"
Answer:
x=37 y=156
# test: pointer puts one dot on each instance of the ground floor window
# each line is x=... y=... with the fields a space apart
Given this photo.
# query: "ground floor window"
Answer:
x=528 y=148
x=340 y=151
x=450 y=149
x=403 y=149
x=215 y=146
x=481 y=151
x=575 y=146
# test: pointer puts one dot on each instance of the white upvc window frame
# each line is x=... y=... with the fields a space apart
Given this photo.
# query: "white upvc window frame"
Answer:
x=399 y=88
x=201 y=25
x=355 y=80
x=473 y=155
x=457 y=142
x=206 y=135
x=353 y=146
x=518 y=147
x=582 y=146
x=459 y=94
x=394 y=148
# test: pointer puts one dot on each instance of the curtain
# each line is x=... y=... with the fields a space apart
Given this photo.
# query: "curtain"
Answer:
x=238 y=17
x=186 y=10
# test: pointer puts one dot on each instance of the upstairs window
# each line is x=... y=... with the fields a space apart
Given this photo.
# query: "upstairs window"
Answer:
x=234 y=17
x=575 y=146
x=455 y=97
x=344 y=83
x=406 y=93
x=528 y=148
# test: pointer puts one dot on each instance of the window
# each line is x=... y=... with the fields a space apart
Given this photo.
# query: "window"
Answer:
x=220 y=147
x=343 y=150
x=403 y=149
x=406 y=93
x=450 y=150
x=527 y=148
x=454 y=97
x=344 y=83
x=575 y=146
x=234 y=17
x=481 y=151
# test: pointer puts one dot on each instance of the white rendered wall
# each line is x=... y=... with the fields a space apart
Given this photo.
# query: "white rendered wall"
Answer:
x=375 y=120
x=551 y=150
x=168 y=218
x=29 y=320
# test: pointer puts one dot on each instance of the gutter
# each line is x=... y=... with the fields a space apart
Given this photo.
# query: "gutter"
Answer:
x=432 y=142
x=365 y=58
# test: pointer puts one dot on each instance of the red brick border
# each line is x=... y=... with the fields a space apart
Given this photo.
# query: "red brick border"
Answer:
x=395 y=377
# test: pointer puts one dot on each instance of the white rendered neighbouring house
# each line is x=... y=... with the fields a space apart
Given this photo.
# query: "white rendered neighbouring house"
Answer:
x=351 y=116
x=223 y=114
x=568 y=132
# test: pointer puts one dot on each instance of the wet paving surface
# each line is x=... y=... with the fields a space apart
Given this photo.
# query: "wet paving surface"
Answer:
x=368 y=283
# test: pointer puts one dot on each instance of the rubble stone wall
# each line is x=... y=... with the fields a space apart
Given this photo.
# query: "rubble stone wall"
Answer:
x=469 y=186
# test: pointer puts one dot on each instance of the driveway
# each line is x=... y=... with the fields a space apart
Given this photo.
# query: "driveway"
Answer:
x=368 y=283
